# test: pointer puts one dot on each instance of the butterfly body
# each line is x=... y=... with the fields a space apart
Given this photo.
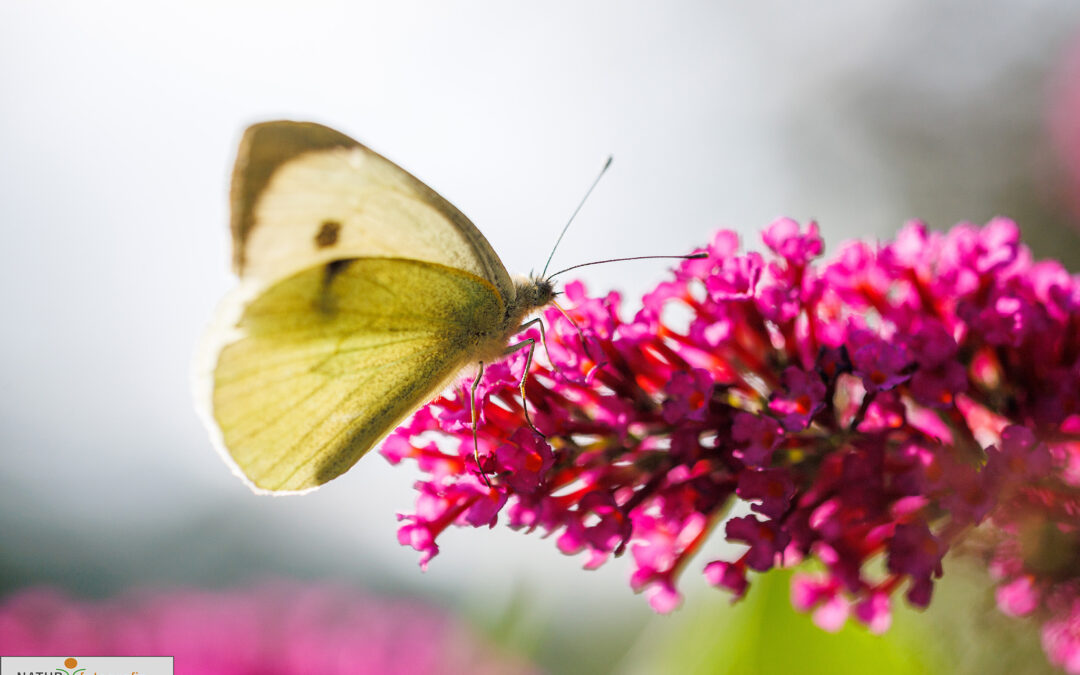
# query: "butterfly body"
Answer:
x=363 y=294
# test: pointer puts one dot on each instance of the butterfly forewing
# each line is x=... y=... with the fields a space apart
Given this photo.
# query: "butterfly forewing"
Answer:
x=304 y=194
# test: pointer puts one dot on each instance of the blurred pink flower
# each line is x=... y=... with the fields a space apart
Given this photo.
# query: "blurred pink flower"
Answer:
x=268 y=629
x=879 y=406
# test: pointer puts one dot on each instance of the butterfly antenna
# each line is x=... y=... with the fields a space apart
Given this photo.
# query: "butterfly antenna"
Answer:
x=566 y=227
x=692 y=256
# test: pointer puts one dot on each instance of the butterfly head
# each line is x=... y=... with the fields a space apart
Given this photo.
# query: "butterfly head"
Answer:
x=534 y=292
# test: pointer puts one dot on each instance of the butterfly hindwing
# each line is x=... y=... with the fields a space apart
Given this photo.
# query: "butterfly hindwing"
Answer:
x=320 y=366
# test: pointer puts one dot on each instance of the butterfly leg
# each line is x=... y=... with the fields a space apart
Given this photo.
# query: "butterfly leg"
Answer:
x=543 y=334
x=475 y=442
x=531 y=344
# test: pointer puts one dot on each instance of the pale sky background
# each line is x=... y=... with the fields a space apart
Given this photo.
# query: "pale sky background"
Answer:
x=118 y=127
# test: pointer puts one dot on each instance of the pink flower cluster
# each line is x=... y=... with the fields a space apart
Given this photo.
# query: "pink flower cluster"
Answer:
x=270 y=628
x=870 y=411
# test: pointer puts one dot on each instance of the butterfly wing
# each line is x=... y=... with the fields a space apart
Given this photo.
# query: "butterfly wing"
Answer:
x=308 y=376
x=303 y=194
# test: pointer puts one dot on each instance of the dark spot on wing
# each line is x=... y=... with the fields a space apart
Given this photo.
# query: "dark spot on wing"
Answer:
x=336 y=267
x=328 y=233
x=333 y=269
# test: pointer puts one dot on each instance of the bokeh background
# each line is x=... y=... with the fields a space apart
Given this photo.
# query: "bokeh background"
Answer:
x=118 y=126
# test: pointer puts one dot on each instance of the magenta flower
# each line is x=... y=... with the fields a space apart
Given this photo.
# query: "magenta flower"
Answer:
x=772 y=487
x=875 y=407
x=271 y=628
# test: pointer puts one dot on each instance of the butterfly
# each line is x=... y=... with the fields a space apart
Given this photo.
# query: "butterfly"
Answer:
x=362 y=295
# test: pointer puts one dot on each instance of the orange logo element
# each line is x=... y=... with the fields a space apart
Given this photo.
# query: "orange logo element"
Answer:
x=70 y=662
